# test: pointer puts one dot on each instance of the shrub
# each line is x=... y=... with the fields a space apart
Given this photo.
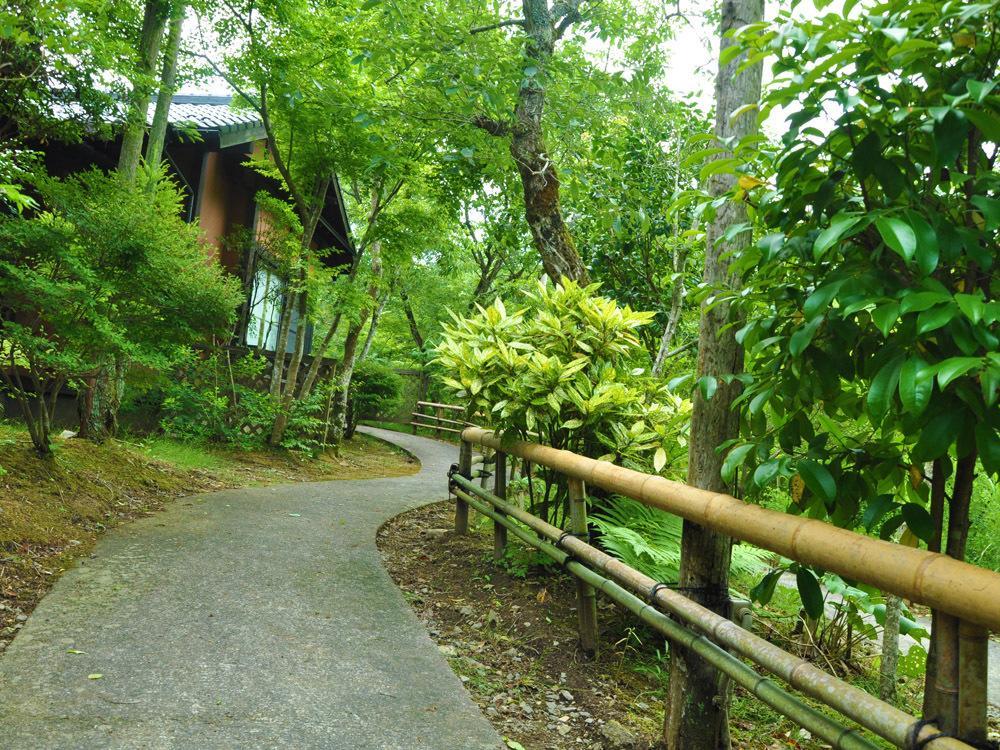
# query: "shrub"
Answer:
x=375 y=391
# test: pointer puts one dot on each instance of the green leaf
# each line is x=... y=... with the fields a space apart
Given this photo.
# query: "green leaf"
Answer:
x=936 y=317
x=820 y=299
x=882 y=388
x=987 y=123
x=708 y=385
x=971 y=306
x=885 y=316
x=916 y=383
x=810 y=593
x=990 y=208
x=988 y=443
x=937 y=436
x=898 y=235
x=95 y=676
x=919 y=301
x=763 y=592
x=801 y=339
x=818 y=479
x=733 y=460
x=659 y=459
x=955 y=367
x=928 y=250
x=919 y=521
x=979 y=90
x=766 y=472
x=839 y=226
x=572 y=424
x=876 y=510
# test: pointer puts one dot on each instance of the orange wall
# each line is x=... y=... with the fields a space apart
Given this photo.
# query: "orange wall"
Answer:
x=212 y=207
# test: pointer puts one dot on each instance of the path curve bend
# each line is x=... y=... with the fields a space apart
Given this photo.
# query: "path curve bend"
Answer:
x=254 y=618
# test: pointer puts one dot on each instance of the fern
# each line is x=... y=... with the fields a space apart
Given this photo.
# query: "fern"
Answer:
x=649 y=540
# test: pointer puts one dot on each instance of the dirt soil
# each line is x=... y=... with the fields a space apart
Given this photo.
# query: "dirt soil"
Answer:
x=513 y=641
x=53 y=511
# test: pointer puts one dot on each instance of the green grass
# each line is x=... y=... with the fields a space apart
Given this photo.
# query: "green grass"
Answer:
x=183 y=455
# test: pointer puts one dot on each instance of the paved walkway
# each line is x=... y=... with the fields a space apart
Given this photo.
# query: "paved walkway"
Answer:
x=258 y=618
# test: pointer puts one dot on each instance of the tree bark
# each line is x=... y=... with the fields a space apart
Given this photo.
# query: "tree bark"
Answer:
x=697 y=714
x=890 y=649
x=168 y=80
x=153 y=21
x=349 y=358
x=676 y=307
x=415 y=334
x=539 y=180
x=373 y=328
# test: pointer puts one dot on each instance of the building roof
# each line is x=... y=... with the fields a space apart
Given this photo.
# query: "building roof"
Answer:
x=215 y=115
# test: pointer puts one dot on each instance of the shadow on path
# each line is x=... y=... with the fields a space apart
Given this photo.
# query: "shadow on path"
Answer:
x=254 y=618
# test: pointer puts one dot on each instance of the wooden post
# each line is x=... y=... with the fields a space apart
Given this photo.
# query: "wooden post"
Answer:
x=462 y=507
x=487 y=462
x=586 y=599
x=973 y=676
x=437 y=430
x=500 y=490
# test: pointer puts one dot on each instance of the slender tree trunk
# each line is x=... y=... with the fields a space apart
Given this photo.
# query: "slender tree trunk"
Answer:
x=288 y=395
x=697 y=715
x=890 y=649
x=349 y=359
x=153 y=21
x=376 y=317
x=284 y=326
x=676 y=308
x=415 y=334
x=168 y=79
x=319 y=353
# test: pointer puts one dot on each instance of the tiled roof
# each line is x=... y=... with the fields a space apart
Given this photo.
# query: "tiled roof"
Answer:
x=208 y=113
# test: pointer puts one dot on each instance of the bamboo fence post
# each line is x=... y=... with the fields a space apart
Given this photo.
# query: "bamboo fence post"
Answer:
x=438 y=412
x=586 y=598
x=484 y=474
x=500 y=490
x=462 y=507
x=973 y=676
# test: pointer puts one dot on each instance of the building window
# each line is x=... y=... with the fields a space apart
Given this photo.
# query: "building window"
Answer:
x=265 y=310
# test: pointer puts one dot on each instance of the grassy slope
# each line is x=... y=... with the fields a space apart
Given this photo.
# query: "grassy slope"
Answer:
x=53 y=511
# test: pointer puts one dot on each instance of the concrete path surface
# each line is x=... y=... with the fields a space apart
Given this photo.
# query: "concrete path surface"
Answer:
x=256 y=618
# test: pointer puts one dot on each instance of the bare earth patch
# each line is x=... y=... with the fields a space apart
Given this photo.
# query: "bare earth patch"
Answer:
x=53 y=511
x=513 y=641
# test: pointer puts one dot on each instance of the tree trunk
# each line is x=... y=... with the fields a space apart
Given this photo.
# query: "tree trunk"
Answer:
x=153 y=21
x=288 y=396
x=347 y=362
x=676 y=308
x=415 y=334
x=697 y=714
x=376 y=317
x=168 y=79
x=890 y=649
x=539 y=180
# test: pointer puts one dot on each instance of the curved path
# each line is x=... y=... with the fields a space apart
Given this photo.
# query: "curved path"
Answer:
x=255 y=618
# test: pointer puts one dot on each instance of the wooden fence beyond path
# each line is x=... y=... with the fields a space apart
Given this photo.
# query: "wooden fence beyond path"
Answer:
x=966 y=592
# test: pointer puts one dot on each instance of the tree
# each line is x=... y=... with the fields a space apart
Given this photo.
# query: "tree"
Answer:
x=106 y=273
x=697 y=715
x=872 y=301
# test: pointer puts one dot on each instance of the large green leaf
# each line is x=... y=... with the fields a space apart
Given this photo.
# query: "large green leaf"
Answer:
x=938 y=435
x=916 y=383
x=818 y=479
x=810 y=592
x=733 y=460
x=898 y=235
x=988 y=443
x=955 y=367
x=919 y=521
x=840 y=225
x=882 y=388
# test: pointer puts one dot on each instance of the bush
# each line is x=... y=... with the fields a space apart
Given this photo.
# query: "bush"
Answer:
x=208 y=400
x=374 y=392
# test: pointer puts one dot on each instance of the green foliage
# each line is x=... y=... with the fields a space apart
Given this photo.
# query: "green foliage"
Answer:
x=208 y=401
x=871 y=303
x=107 y=271
x=649 y=540
x=568 y=371
x=375 y=391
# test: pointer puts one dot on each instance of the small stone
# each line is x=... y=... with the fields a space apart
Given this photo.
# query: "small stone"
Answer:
x=21 y=618
x=616 y=735
x=448 y=650
x=568 y=696
x=563 y=729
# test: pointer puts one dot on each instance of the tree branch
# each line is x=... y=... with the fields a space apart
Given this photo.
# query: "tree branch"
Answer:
x=491 y=126
x=498 y=25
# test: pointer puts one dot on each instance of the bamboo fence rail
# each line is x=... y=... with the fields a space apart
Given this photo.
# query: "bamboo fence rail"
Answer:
x=932 y=578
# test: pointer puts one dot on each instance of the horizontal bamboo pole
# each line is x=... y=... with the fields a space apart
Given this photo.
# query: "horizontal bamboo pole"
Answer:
x=966 y=591
x=837 y=735
x=434 y=405
x=433 y=426
x=443 y=420
x=880 y=717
